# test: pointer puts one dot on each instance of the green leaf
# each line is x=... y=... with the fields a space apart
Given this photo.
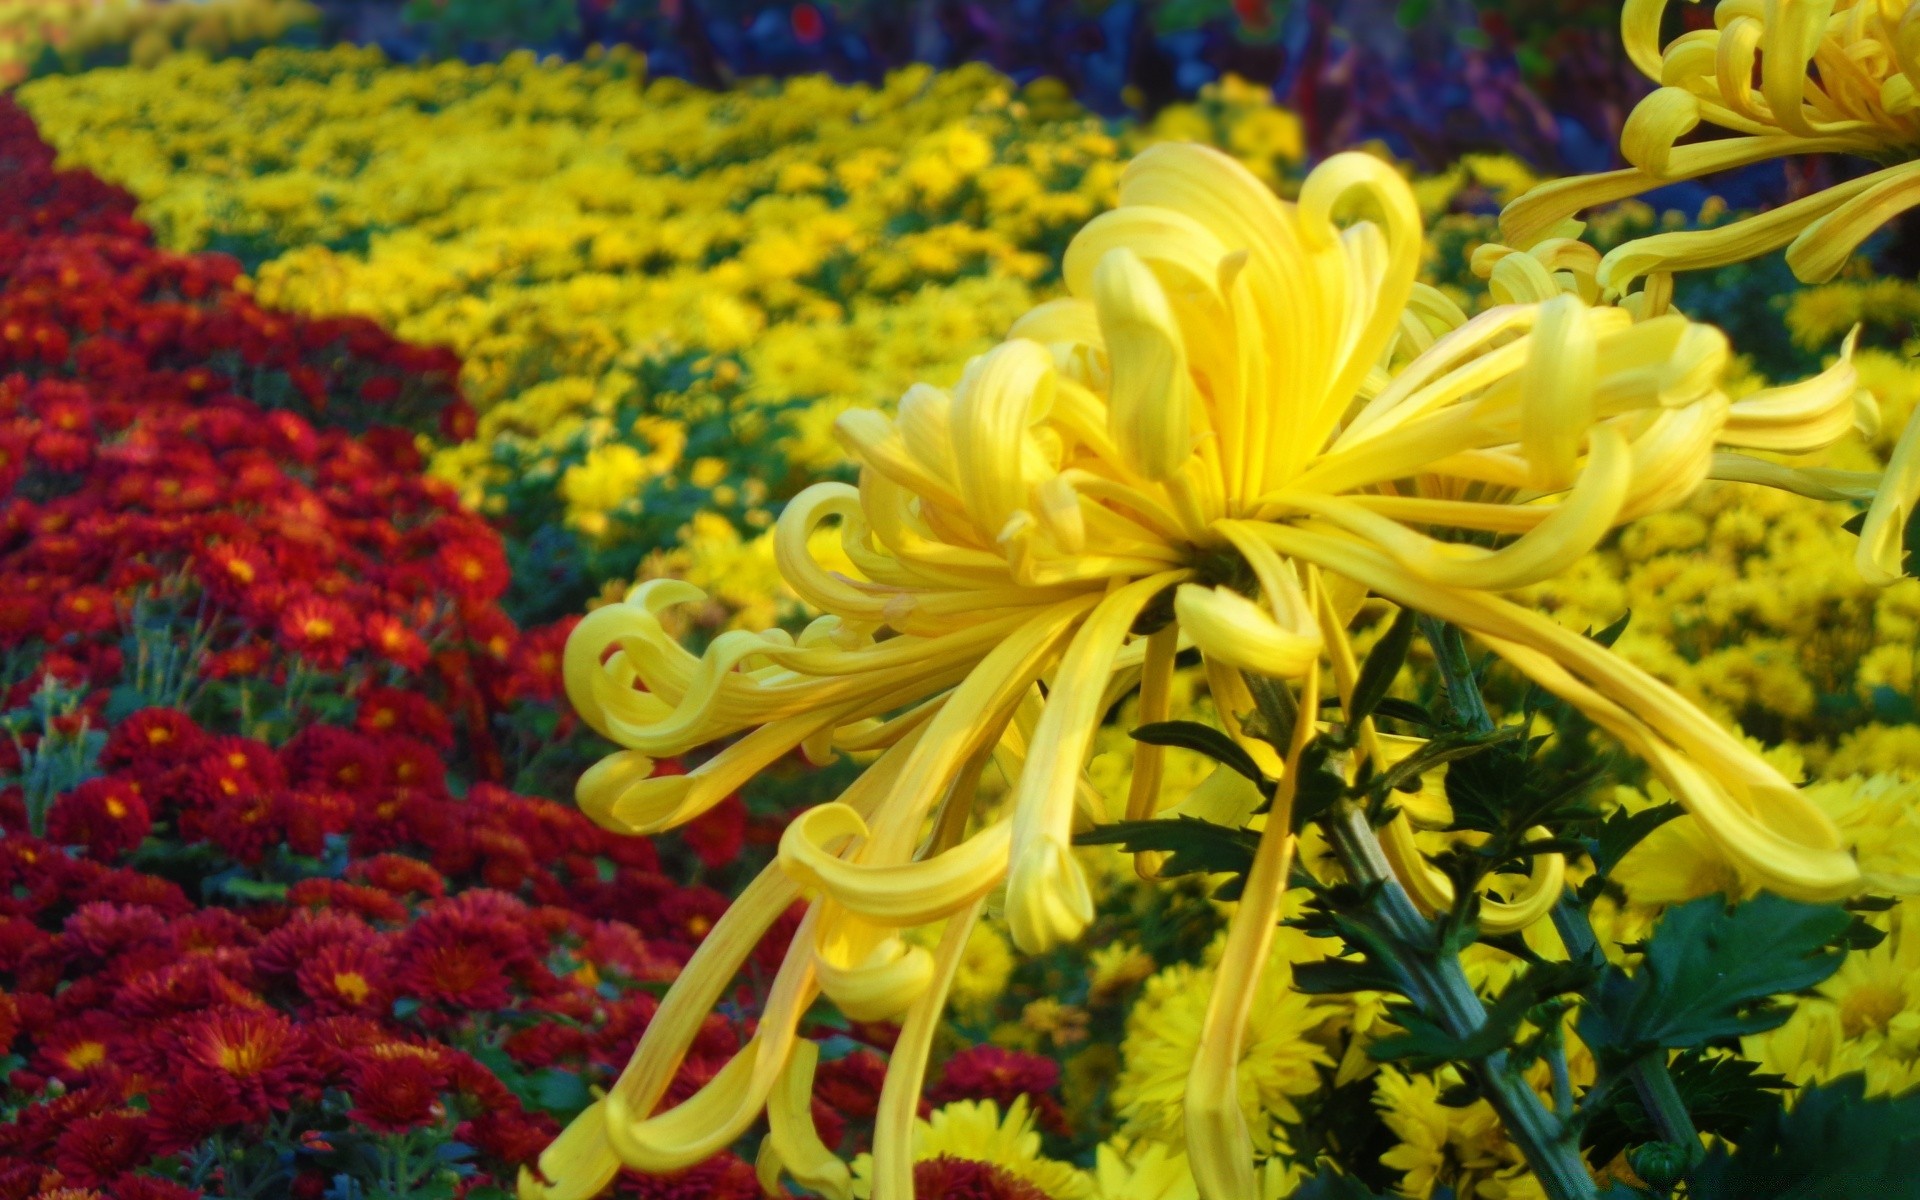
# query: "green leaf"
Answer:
x=1445 y=748
x=1723 y=1095
x=1331 y=1185
x=243 y=888
x=1383 y=664
x=1834 y=1144
x=1202 y=739
x=1333 y=976
x=559 y=1092
x=1426 y=1045
x=1405 y=710
x=1623 y=830
x=1194 y=846
x=1709 y=972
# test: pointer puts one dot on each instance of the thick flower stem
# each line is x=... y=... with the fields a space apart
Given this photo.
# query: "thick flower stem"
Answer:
x=1434 y=979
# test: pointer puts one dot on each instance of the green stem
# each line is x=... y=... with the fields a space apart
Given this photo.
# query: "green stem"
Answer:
x=1457 y=674
x=1438 y=982
x=1649 y=1075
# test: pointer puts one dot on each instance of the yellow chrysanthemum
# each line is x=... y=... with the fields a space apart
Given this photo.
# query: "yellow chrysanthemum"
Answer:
x=977 y=1130
x=1835 y=77
x=1241 y=421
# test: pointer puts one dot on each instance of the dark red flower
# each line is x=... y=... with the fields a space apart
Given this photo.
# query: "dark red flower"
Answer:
x=194 y=1104
x=474 y=568
x=86 y=610
x=107 y=817
x=261 y=1054
x=396 y=642
x=322 y=631
x=722 y=1177
x=346 y=977
x=93 y=1151
x=394 y=1092
x=152 y=739
x=947 y=1178
x=717 y=835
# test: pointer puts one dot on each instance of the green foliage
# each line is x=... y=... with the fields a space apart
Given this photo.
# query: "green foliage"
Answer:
x=1194 y=847
x=1722 y=1094
x=1424 y=1044
x=1833 y=1144
x=1710 y=972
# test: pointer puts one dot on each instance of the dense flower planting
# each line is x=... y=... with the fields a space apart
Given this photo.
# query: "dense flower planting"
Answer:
x=275 y=916
x=294 y=902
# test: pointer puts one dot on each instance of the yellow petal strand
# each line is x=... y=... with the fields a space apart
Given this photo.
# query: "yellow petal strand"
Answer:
x=578 y=1165
x=791 y=1135
x=1538 y=213
x=907 y=1067
x=1003 y=391
x=1330 y=185
x=1640 y=34
x=1229 y=628
x=901 y=893
x=1776 y=861
x=621 y=793
x=864 y=966
x=1824 y=247
x=1655 y=124
x=1219 y=1145
x=1047 y=898
x=1700 y=249
x=1568 y=531
x=1793 y=29
x=1763 y=822
x=1156 y=705
x=1798 y=418
x=1150 y=401
x=1556 y=391
x=1818 y=483
x=1882 y=554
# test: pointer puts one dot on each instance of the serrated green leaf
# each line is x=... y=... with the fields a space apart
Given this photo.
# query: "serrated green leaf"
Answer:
x=1708 y=972
x=1383 y=664
x=1193 y=846
x=1833 y=1144
x=1202 y=739
x=1723 y=1095
x=1623 y=830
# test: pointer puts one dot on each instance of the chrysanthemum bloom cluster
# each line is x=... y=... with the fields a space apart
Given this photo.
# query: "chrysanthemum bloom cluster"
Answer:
x=1243 y=421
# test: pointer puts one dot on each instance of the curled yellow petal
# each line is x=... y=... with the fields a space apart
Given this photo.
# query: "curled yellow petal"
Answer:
x=914 y=893
x=578 y=1165
x=1556 y=391
x=1801 y=417
x=1232 y=629
x=1150 y=402
x=1883 y=538
x=792 y=1143
x=871 y=974
x=1824 y=246
x=1655 y=124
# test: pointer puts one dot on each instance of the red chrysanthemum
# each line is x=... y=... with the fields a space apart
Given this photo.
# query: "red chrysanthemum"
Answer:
x=474 y=568
x=396 y=642
x=281 y=953
x=328 y=756
x=92 y=1151
x=195 y=1104
x=947 y=1178
x=260 y=1053
x=463 y=953
x=321 y=630
x=716 y=836
x=322 y=895
x=510 y=1134
x=151 y=739
x=398 y=875
x=306 y=817
x=86 y=610
x=722 y=1177
x=240 y=574
x=385 y=711
x=107 y=817
x=394 y=1093
x=346 y=977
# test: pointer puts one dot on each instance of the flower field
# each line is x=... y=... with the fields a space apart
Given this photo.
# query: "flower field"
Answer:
x=571 y=632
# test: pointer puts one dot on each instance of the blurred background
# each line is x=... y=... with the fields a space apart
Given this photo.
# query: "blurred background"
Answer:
x=1431 y=79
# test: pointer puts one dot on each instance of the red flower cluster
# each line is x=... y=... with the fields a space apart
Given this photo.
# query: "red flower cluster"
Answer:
x=280 y=897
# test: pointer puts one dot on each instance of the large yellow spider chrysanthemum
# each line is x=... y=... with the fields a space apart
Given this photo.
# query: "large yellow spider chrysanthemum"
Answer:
x=1242 y=421
x=1835 y=76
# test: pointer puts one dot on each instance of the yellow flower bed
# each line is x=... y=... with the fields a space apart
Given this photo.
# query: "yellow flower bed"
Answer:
x=78 y=32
